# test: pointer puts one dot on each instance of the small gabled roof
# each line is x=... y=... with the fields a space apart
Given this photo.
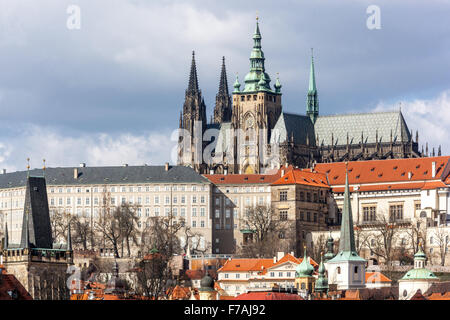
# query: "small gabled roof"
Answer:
x=303 y=177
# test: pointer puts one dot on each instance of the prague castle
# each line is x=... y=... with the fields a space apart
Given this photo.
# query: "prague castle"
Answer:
x=252 y=134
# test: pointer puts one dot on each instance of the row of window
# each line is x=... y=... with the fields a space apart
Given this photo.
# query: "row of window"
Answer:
x=243 y=189
x=130 y=189
x=156 y=212
x=139 y=200
x=303 y=196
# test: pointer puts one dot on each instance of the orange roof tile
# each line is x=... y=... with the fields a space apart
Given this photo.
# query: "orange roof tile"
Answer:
x=376 y=277
x=390 y=170
x=246 y=265
x=304 y=177
x=268 y=296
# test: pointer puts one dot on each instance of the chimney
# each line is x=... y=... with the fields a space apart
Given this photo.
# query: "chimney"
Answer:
x=433 y=169
x=280 y=255
x=4 y=171
x=82 y=165
x=282 y=172
x=75 y=173
x=125 y=164
x=274 y=259
x=166 y=166
x=211 y=171
x=409 y=175
x=225 y=171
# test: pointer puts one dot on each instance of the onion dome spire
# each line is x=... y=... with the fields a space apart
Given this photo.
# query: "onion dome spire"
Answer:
x=322 y=281
x=304 y=269
x=237 y=85
x=257 y=79
x=277 y=84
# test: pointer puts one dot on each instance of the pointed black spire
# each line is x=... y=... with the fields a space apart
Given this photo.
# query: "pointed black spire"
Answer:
x=439 y=151
x=69 y=239
x=193 y=80
x=223 y=85
x=5 y=244
x=223 y=109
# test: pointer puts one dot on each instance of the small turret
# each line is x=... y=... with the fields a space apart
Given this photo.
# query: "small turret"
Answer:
x=322 y=281
x=237 y=85
x=277 y=85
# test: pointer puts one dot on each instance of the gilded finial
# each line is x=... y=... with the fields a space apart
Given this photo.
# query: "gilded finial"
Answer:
x=43 y=168
x=28 y=167
x=257 y=17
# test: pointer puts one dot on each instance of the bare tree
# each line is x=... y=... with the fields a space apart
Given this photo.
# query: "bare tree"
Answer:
x=416 y=236
x=159 y=244
x=269 y=233
x=442 y=238
x=128 y=220
x=193 y=242
x=361 y=239
x=59 y=222
x=383 y=239
x=108 y=224
x=81 y=232
x=318 y=246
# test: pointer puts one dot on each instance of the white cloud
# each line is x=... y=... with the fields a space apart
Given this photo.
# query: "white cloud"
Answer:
x=38 y=143
x=431 y=117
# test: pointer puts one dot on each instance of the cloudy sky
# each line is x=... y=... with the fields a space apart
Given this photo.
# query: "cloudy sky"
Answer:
x=111 y=92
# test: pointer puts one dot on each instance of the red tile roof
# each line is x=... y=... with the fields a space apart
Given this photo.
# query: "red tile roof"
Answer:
x=303 y=177
x=268 y=296
x=386 y=173
x=247 y=265
x=10 y=284
x=376 y=277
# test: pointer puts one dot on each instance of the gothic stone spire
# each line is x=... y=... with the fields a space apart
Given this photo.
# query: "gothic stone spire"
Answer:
x=222 y=110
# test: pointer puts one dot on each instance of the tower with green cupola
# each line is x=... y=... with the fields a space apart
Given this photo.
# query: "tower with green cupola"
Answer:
x=256 y=108
x=304 y=279
x=347 y=269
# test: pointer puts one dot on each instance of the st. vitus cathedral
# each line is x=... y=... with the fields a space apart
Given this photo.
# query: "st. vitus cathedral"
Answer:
x=254 y=135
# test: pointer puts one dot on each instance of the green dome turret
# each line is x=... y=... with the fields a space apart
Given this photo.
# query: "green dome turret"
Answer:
x=419 y=271
x=277 y=85
x=237 y=85
x=304 y=269
x=322 y=281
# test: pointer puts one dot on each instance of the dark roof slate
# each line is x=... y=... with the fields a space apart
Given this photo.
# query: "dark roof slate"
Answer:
x=106 y=175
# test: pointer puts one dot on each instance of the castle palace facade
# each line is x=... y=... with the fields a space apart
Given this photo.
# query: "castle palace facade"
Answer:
x=250 y=133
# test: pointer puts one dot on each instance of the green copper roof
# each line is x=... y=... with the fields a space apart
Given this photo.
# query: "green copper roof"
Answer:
x=237 y=85
x=257 y=79
x=322 y=281
x=312 y=76
x=304 y=269
x=312 y=102
x=368 y=126
x=347 y=248
x=419 y=274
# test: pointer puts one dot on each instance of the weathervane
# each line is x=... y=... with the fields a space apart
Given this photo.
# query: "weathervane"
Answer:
x=43 y=168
